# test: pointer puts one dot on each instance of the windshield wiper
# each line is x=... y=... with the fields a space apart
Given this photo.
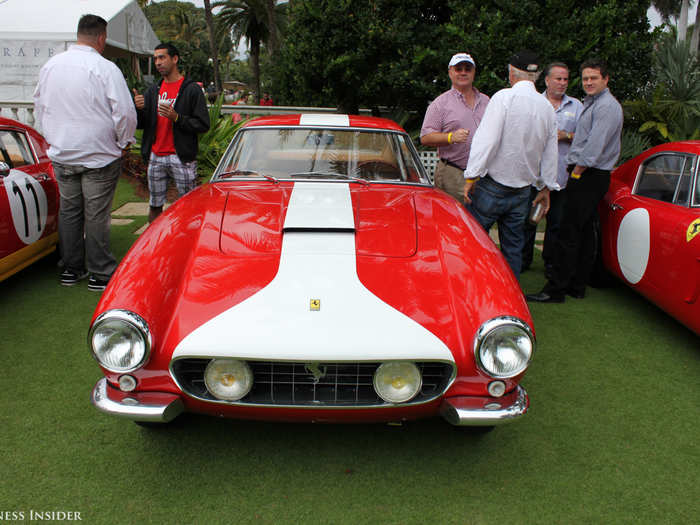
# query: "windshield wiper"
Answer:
x=330 y=175
x=247 y=173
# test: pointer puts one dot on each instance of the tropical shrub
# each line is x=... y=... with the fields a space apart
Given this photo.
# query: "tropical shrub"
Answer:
x=671 y=109
x=214 y=142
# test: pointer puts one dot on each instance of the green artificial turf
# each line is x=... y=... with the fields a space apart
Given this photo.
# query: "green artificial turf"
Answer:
x=611 y=436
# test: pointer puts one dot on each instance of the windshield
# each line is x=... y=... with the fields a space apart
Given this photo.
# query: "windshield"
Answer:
x=297 y=153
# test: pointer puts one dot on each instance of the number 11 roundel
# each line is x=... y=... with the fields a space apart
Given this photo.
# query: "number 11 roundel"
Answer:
x=28 y=205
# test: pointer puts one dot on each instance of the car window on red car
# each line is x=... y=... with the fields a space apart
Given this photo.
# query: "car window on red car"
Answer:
x=15 y=149
x=685 y=182
x=666 y=178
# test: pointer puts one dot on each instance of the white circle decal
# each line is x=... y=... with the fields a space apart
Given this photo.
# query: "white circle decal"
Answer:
x=28 y=205
x=633 y=241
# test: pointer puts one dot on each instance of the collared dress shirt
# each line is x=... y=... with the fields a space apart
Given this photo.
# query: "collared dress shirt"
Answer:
x=450 y=112
x=84 y=108
x=597 y=140
x=516 y=143
x=567 y=115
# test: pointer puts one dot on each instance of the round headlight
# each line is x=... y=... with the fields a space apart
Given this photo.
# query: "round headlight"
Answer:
x=120 y=340
x=228 y=379
x=504 y=347
x=397 y=382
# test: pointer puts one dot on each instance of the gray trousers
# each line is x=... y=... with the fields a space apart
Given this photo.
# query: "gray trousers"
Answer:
x=84 y=217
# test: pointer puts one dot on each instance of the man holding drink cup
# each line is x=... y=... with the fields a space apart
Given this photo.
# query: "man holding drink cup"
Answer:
x=171 y=114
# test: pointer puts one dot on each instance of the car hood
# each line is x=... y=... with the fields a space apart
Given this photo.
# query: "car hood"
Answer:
x=383 y=218
x=401 y=253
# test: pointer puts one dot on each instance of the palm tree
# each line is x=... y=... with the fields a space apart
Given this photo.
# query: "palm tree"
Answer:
x=212 y=43
x=252 y=20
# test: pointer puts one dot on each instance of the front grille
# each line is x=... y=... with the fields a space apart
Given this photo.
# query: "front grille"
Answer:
x=294 y=384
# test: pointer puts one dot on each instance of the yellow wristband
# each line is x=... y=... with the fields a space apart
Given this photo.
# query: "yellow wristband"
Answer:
x=449 y=138
x=177 y=117
x=575 y=175
x=472 y=179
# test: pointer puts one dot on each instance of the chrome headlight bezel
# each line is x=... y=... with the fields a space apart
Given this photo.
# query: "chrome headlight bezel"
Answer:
x=132 y=322
x=490 y=328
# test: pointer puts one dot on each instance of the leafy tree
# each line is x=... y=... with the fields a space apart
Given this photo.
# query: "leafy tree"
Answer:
x=352 y=53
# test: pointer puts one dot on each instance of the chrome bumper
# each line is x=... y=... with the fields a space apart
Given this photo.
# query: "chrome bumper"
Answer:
x=151 y=407
x=484 y=412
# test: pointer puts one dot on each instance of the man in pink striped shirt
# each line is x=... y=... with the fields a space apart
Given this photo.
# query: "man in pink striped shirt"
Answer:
x=450 y=123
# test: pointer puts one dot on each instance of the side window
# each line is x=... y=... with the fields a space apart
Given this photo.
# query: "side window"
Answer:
x=14 y=149
x=659 y=177
x=685 y=182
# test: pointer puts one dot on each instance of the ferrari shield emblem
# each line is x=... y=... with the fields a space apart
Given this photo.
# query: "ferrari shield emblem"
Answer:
x=315 y=305
x=693 y=230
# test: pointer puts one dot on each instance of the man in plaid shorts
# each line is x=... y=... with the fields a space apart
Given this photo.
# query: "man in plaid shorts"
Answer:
x=171 y=115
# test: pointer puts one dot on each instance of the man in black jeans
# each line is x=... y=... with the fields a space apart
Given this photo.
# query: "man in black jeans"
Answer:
x=594 y=152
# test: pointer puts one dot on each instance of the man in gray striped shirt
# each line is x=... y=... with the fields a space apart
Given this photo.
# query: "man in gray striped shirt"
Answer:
x=593 y=153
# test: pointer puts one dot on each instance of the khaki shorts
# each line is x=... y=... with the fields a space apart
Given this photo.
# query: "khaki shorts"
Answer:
x=450 y=180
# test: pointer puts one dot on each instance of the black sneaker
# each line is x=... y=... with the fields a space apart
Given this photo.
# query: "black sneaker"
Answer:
x=69 y=277
x=97 y=285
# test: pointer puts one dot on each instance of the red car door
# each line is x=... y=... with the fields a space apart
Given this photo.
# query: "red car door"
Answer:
x=655 y=228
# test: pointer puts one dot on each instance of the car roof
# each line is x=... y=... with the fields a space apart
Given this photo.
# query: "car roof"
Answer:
x=11 y=123
x=686 y=146
x=325 y=120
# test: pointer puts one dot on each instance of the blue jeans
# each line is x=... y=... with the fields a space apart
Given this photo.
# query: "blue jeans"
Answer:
x=508 y=207
x=84 y=217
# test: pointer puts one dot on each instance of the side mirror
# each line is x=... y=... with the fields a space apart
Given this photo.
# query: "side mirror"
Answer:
x=4 y=169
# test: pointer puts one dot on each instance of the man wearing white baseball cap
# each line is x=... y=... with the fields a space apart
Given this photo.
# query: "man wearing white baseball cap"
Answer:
x=450 y=123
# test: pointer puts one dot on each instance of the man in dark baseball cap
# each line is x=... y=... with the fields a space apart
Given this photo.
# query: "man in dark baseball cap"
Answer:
x=515 y=147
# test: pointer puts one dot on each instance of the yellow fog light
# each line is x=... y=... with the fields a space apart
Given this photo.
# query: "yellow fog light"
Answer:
x=397 y=382
x=228 y=379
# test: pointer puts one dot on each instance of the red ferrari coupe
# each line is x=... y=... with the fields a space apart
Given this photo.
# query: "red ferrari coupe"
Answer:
x=28 y=198
x=317 y=277
x=650 y=226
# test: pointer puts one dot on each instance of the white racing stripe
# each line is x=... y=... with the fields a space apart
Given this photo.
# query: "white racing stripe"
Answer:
x=325 y=120
x=351 y=324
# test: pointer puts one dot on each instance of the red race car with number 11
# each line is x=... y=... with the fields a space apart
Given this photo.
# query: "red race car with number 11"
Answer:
x=317 y=277
x=28 y=198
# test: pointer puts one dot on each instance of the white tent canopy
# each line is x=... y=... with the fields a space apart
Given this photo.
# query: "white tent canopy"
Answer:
x=32 y=31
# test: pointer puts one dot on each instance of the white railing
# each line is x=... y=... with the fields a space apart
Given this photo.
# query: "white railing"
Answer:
x=429 y=159
x=22 y=111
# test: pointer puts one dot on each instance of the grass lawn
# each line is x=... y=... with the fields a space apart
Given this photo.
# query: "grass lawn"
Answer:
x=611 y=436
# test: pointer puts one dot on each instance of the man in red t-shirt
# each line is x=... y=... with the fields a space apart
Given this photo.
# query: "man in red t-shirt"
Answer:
x=171 y=114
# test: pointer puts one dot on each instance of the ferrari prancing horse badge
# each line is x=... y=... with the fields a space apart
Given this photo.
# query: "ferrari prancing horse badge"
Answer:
x=693 y=230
